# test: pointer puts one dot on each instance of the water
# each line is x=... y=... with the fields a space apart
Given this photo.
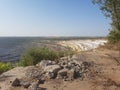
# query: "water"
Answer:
x=11 y=48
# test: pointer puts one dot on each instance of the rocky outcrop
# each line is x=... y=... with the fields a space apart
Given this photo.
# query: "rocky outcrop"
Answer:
x=66 y=69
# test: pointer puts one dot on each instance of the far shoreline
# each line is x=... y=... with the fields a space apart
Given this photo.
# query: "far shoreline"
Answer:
x=57 y=37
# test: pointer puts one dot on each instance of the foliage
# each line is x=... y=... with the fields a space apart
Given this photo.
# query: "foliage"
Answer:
x=111 y=9
x=5 y=66
x=68 y=52
x=35 y=55
x=114 y=36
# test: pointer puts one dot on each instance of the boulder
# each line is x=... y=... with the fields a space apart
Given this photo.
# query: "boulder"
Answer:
x=51 y=71
x=66 y=74
x=33 y=72
x=75 y=63
x=44 y=63
x=49 y=75
x=25 y=84
x=52 y=68
x=62 y=74
x=34 y=86
x=64 y=58
x=69 y=65
x=85 y=65
x=16 y=82
x=70 y=74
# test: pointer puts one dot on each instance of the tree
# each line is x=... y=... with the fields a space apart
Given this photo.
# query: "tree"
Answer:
x=111 y=9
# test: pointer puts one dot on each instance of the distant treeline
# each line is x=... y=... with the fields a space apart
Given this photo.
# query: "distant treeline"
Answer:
x=56 y=38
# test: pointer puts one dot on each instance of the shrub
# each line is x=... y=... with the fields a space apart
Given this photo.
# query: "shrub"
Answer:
x=4 y=67
x=35 y=55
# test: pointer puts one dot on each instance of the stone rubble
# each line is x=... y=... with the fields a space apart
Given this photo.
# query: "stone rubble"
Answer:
x=65 y=69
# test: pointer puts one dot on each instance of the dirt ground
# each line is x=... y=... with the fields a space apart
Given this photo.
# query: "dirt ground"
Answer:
x=107 y=77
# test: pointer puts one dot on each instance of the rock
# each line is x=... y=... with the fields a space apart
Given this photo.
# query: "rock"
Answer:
x=49 y=75
x=51 y=71
x=44 y=63
x=52 y=68
x=63 y=64
x=85 y=65
x=64 y=58
x=69 y=65
x=62 y=73
x=70 y=74
x=16 y=82
x=33 y=72
x=41 y=81
x=25 y=84
x=34 y=86
x=75 y=63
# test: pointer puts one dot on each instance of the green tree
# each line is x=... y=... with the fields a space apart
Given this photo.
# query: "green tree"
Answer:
x=111 y=9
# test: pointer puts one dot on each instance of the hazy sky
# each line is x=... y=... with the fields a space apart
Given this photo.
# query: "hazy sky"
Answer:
x=51 y=18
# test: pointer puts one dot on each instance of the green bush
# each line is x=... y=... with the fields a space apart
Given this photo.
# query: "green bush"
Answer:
x=4 y=67
x=114 y=36
x=35 y=55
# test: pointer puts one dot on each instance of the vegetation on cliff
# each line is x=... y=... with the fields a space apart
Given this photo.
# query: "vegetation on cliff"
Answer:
x=5 y=67
x=35 y=55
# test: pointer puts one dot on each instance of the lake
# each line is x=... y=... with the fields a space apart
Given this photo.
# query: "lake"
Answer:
x=11 y=48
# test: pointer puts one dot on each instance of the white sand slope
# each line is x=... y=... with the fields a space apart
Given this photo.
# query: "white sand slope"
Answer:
x=83 y=45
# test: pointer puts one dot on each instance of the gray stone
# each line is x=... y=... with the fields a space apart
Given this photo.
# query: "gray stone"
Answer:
x=62 y=73
x=33 y=72
x=44 y=63
x=16 y=82
x=34 y=86
x=70 y=74
x=49 y=75
x=25 y=84
x=52 y=68
x=85 y=65
x=63 y=58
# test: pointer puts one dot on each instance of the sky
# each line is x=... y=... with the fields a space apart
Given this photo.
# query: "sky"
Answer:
x=52 y=18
